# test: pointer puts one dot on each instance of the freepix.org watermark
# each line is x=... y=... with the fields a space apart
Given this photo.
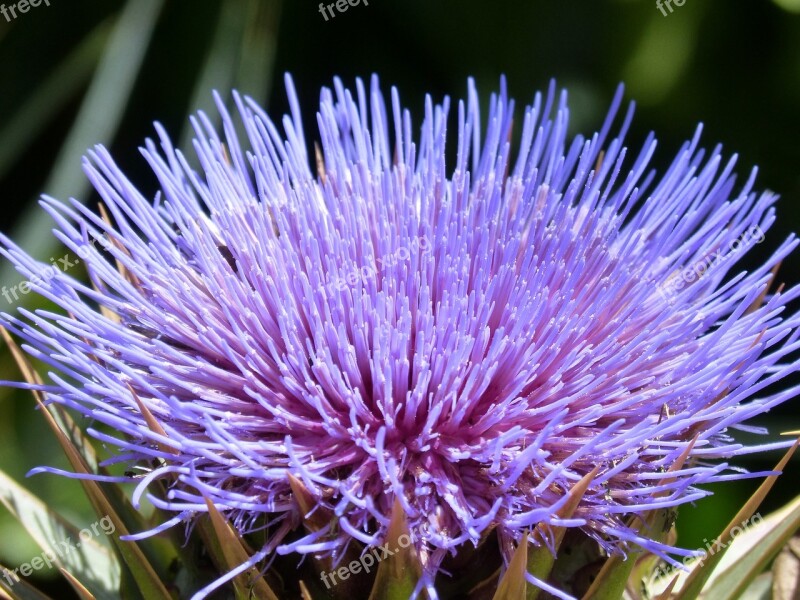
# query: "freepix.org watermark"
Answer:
x=64 y=264
x=341 y=6
x=59 y=550
x=367 y=272
x=678 y=280
x=660 y=4
x=22 y=6
x=368 y=560
x=712 y=547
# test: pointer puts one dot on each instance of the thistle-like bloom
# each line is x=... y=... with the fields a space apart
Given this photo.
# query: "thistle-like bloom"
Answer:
x=469 y=339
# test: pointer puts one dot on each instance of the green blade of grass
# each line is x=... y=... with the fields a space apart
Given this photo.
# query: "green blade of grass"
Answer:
x=139 y=570
x=398 y=574
x=58 y=88
x=540 y=559
x=513 y=584
x=219 y=66
x=740 y=573
x=21 y=590
x=97 y=121
x=241 y=56
x=701 y=574
x=257 y=55
x=90 y=562
x=227 y=547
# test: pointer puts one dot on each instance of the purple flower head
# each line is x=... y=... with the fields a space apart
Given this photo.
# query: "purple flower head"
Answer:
x=469 y=340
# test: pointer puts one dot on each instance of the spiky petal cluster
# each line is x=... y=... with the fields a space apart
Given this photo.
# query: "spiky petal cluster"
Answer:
x=469 y=339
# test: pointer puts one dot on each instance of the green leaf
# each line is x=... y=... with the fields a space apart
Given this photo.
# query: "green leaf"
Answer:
x=578 y=563
x=92 y=563
x=219 y=66
x=21 y=590
x=789 y=5
x=97 y=122
x=251 y=583
x=761 y=589
x=304 y=593
x=53 y=93
x=314 y=517
x=80 y=589
x=540 y=559
x=667 y=593
x=241 y=55
x=703 y=572
x=104 y=504
x=754 y=552
x=398 y=574
x=513 y=584
x=257 y=54
x=615 y=576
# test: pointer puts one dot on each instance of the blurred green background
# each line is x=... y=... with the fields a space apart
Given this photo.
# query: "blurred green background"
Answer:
x=81 y=72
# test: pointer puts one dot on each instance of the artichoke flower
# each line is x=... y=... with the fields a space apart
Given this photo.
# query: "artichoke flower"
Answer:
x=444 y=365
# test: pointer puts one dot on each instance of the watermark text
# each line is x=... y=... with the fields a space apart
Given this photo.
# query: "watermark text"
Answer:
x=59 y=550
x=679 y=279
x=668 y=3
x=22 y=6
x=341 y=6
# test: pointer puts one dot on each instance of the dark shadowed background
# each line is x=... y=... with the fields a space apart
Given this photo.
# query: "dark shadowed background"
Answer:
x=81 y=72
